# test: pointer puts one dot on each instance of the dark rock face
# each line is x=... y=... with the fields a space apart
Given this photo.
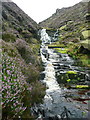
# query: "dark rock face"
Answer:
x=84 y=50
x=64 y=15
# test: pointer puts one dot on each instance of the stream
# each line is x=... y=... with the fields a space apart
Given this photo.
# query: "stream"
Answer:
x=59 y=101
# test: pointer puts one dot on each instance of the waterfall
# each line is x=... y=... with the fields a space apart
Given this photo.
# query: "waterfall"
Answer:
x=55 y=35
x=45 y=37
x=57 y=102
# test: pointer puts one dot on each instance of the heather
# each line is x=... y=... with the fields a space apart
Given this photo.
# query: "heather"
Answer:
x=20 y=86
x=21 y=63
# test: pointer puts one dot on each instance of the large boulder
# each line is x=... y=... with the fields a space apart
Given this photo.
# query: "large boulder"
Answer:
x=86 y=44
x=86 y=34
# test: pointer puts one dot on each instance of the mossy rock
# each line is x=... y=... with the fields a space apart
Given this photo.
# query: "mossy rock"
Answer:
x=86 y=44
x=70 y=22
x=86 y=34
x=49 y=29
x=87 y=16
x=63 y=27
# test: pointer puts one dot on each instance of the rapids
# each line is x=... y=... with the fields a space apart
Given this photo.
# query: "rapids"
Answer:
x=58 y=102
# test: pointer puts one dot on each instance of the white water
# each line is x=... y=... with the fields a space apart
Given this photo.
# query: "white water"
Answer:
x=50 y=79
x=55 y=35
x=54 y=101
x=44 y=37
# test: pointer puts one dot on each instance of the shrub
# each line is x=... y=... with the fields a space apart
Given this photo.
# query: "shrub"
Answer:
x=13 y=85
x=18 y=96
x=8 y=37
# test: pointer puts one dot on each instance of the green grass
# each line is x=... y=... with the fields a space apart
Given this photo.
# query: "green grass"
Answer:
x=82 y=86
x=60 y=50
x=71 y=72
x=73 y=51
x=56 y=45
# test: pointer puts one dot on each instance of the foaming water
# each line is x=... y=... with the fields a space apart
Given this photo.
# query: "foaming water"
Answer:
x=55 y=103
x=50 y=78
x=44 y=36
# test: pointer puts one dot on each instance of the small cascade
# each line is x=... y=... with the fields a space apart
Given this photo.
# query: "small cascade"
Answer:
x=44 y=37
x=56 y=104
x=56 y=35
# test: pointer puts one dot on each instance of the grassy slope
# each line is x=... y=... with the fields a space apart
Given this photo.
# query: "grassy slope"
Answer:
x=73 y=25
x=63 y=15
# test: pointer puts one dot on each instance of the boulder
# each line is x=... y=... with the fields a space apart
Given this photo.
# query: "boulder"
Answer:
x=86 y=44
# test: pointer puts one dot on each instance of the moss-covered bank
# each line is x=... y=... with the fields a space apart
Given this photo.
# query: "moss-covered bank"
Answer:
x=75 y=50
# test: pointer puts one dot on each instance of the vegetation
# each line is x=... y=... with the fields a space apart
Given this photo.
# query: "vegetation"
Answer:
x=76 y=14
x=20 y=85
x=63 y=27
x=56 y=45
x=71 y=72
x=82 y=86
x=61 y=50
x=82 y=56
x=18 y=96
x=21 y=64
x=8 y=37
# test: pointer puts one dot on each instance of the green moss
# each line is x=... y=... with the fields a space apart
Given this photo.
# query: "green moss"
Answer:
x=60 y=50
x=68 y=80
x=71 y=72
x=63 y=27
x=82 y=86
x=57 y=45
x=74 y=51
x=85 y=60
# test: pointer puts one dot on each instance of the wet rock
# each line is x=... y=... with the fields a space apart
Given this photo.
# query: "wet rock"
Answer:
x=42 y=76
x=84 y=49
x=88 y=93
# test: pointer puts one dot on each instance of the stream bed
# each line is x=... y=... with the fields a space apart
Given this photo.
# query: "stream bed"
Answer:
x=62 y=100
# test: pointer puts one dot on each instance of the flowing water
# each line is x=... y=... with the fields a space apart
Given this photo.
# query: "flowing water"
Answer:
x=58 y=102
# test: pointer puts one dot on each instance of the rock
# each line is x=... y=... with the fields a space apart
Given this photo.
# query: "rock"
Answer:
x=86 y=34
x=85 y=44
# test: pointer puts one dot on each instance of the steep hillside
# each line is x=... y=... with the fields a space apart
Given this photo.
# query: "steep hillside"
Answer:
x=75 y=13
x=21 y=63
x=15 y=21
x=73 y=24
